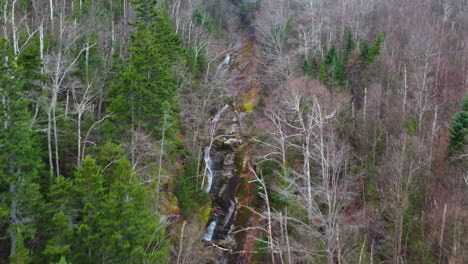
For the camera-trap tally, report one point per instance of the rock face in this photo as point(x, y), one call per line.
point(225, 160)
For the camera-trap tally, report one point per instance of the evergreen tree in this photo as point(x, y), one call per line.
point(364, 50)
point(90, 200)
point(137, 97)
point(332, 70)
point(21, 255)
point(306, 67)
point(20, 159)
point(375, 48)
point(314, 65)
point(94, 220)
point(130, 230)
point(349, 45)
point(459, 128)
point(331, 55)
point(62, 215)
point(322, 74)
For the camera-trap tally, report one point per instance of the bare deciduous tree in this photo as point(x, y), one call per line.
point(320, 184)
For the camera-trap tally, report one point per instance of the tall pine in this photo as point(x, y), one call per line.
point(459, 128)
point(99, 219)
point(148, 82)
point(20, 160)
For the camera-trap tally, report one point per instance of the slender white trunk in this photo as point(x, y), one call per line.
point(365, 104)
point(51, 12)
point(54, 120)
point(13, 25)
point(78, 158)
point(433, 133)
point(181, 242)
point(405, 92)
point(13, 220)
point(161, 152)
point(49, 140)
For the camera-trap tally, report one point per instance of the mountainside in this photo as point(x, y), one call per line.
point(234, 131)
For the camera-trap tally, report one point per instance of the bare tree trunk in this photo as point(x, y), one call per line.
point(161, 158)
point(14, 30)
point(442, 229)
point(433, 133)
point(51, 13)
point(49, 140)
point(13, 220)
point(181, 242)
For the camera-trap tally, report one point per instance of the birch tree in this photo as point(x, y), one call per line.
point(319, 186)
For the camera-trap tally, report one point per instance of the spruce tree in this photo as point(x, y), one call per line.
point(459, 128)
point(137, 97)
point(322, 74)
point(364, 50)
point(375, 48)
point(20, 159)
point(331, 55)
point(306, 67)
point(103, 219)
point(349, 45)
point(129, 227)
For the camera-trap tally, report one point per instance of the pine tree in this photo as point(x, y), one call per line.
point(375, 48)
point(99, 220)
point(349, 45)
point(364, 50)
point(20, 159)
point(306, 67)
point(137, 97)
point(459, 128)
point(314, 65)
point(331, 55)
point(62, 213)
point(128, 226)
point(322, 74)
point(91, 197)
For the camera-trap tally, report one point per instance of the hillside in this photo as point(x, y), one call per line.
point(234, 131)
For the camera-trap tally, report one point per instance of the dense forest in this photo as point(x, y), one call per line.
point(234, 131)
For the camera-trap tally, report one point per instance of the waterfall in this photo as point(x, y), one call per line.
point(218, 115)
point(207, 158)
point(208, 236)
point(229, 213)
point(208, 164)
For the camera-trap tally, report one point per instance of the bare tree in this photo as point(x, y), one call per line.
point(58, 64)
point(302, 124)
point(400, 172)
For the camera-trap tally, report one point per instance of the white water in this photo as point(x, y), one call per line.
point(207, 158)
point(218, 115)
point(208, 164)
point(208, 236)
point(229, 214)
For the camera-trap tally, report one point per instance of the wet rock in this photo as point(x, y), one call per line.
point(229, 160)
point(233, 142)
point(227, 174)
point(235, 129)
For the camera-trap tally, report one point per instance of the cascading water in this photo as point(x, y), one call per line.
point(218, 115)
point(208, 236)
point(209, 169)
point(207, 158)
point(229, 213)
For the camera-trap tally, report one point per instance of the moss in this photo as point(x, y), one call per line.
point(248, 106)
point(241, 222)
point(239, 161)
point(205, 212)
